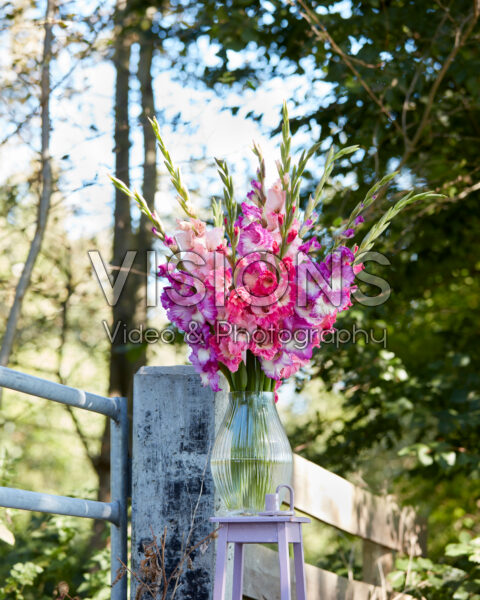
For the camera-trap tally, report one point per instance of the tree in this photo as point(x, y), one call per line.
point(45, 197)
point(132, 23)
point(402, 84)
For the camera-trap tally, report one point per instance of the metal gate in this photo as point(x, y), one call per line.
point(115, 512)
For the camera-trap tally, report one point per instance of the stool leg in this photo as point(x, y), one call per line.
point(284, 562)
point(238, 572)
point(221, 564)
point(300, 583)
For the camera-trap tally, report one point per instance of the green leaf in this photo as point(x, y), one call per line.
point(25, 573)
point(424, 456)
point(457, 550)
point(397, 579)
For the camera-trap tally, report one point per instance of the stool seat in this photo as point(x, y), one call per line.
point(277, 529)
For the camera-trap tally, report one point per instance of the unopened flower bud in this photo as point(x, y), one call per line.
point(292, 234)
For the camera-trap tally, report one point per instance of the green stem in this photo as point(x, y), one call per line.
point(249, 376)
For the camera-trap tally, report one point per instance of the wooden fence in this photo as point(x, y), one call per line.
point(384, 527)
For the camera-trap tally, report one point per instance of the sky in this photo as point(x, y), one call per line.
point(82, 132)
point(212, 132)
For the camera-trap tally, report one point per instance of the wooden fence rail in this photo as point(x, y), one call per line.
point(384, 527)
point(335, 501)
point(262, 581)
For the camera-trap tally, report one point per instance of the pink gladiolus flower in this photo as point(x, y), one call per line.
point(251, 212)
point(213, 238)
point(273, 368)
point(275, 198)
point(254, 238)
point(238, 310)
point(181, 316)
point(264, 343)
point(273, 220)
point(357, 268)
point(259, 278)
point(230, 352)
point(199, 227)
point(265, 284)
point(184, 239)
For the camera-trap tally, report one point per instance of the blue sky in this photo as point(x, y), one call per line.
point(82, 141)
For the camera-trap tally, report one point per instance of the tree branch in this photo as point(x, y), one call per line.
point(415, 77)
point(81, 435)
point(63, 340)
point(460, 39)
point(45, 196)
point(315, 25)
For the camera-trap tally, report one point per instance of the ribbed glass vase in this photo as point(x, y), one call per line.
point(251, 455)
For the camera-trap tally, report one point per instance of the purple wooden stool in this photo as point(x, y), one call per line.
point(274, 527)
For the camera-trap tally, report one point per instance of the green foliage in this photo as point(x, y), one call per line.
point(21, 576)
point(456, 578)
point(40, 447)
point(96, 584)
point(49, 551)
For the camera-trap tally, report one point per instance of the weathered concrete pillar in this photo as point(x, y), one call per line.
point(174, 424)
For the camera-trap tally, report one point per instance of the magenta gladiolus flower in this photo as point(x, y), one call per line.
point(247, 292)
point(253, 238)
point(310, 246)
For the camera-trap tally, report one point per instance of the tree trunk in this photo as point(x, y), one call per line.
point(131, 307)
point(120, 376)
point(149, 188)
point(45, 197)
point(120, 371)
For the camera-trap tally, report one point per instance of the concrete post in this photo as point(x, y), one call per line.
point(174, 425)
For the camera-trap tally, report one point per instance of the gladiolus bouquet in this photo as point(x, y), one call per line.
point(255, 291)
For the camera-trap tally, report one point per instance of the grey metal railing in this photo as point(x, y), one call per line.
point(115, 512)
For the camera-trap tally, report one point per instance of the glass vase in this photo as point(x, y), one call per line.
point(251, 455)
